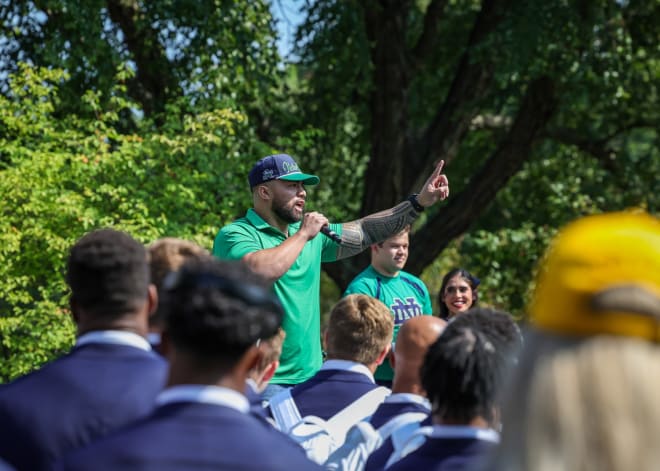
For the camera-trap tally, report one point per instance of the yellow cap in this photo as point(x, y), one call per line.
point(602, 276)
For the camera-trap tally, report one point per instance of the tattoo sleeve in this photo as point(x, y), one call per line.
point(359, 234)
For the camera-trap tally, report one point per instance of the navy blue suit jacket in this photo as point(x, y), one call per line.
point(87, 393)
point(329, 391)
point(385, 412)
point(255, 400)
point(192, 436)
point(445, 454)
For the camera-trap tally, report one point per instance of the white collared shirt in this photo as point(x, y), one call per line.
point(409, 398)
point(345, 365)
point(204, 394)
point(416, 439)
point(114, 337)
point(462, 431)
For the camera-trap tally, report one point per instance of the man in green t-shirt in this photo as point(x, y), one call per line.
point(403, 293)
point(278, 240)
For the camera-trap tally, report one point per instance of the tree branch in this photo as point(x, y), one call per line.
point(536, 109)
point(427, 40)
point(600, 148)
point(471, 83)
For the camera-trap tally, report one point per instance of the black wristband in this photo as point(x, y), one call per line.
point(415, 204)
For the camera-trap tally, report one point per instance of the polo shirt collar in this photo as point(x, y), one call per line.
point(204, 394)
point(345, 365)
point(114, 337)
point(258, 222)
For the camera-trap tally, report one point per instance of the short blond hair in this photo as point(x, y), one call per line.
point(359, 328)
point(165, 256)
point(168, 254)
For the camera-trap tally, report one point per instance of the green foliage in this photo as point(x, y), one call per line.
point(64, 177)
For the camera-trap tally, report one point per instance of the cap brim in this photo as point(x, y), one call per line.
point(300, 177)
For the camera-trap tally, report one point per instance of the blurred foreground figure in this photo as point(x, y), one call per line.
point(110, 377)
point(462, 374)
point(586, 393)
point(215, 313)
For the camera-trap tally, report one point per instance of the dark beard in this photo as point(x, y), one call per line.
point(285, 215)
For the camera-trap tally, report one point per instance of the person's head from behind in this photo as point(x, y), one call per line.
point(598, 287)
point(595, 406)
point(389, 256)
point(458, 293)
point(464, 369)
point(108, 274)
point(215, 312)
point(601, 275)
point(412, 342)
point(271, 349)
point(167, 255)
point(359, 329)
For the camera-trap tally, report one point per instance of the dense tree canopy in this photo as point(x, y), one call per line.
point(146, 116)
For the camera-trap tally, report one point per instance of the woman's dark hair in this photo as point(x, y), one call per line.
point(473, 281)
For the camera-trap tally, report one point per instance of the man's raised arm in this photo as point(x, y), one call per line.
point(359, 234)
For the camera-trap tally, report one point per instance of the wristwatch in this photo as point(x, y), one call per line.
point(415, 204)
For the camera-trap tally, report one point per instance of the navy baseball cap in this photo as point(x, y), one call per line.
point(279, 167)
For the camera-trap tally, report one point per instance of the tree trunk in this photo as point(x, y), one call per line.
point(154, 83)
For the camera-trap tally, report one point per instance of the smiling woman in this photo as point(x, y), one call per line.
point(458, 293)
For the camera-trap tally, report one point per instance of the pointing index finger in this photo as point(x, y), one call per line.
point(438, 168)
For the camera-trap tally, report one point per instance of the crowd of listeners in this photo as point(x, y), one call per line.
point(175, 348)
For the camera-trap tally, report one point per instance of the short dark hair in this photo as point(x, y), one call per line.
point(108, 273)
point(464, 369)
point(216, 310)
point(473, 281)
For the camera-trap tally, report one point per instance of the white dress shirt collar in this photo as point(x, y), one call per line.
point(204, 394)
point(114, 337)
point(346, 365)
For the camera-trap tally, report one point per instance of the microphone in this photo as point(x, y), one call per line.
point(330, 233)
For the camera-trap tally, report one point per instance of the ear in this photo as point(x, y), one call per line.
point(152, 299)
point(383, 354)
point(249, 361)
point(269, 372)
point(263, 192)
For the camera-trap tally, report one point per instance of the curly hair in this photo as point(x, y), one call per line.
point(464, 369)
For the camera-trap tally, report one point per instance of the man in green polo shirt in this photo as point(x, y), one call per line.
point(278, 240)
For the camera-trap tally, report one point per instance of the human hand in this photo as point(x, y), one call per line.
point(436, 187)
point(312, 223)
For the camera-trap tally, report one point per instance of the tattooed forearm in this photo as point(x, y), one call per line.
point(359, 234)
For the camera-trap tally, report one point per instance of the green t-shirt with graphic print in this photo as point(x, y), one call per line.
point(405, 295)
